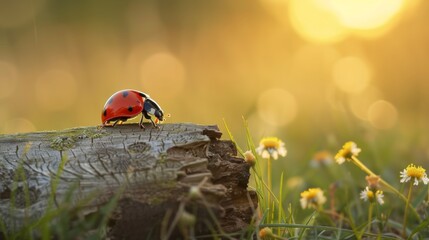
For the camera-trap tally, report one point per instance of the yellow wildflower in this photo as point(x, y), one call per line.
point(313, 197)
point(348, 151)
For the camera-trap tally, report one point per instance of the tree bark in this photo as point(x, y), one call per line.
point(150, 172)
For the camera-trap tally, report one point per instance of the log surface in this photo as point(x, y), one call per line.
point(154, 167)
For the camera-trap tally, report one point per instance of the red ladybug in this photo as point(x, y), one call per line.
point(129, 103)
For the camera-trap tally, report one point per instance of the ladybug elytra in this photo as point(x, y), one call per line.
point(129, 103)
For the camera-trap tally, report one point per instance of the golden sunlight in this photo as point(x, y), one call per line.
point(351, 74)
point(277, 107)
point(15, 125)
point(332, 21)
point(315, 22)
point(360, 103)
point(56, 90)
point(163, 75)
point(8, 79)
point(382, 114)
point(365, 14)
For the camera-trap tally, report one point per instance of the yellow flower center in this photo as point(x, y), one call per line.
point(271, 142)
point(370, 194)
point(311, 193)
point(416, 172)
point(348, 151)
point(348, 146)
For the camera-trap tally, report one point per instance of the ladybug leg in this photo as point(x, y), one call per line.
point(154, 124)
point(141, 123)
point(116, 122)
point(146, 115)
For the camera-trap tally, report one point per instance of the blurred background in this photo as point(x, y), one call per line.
point(315, 73)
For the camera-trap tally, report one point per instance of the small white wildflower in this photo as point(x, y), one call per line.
point(369, 195)
point(271, 147)
point(418, 174)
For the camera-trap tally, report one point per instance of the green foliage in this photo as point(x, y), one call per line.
point(343, 216)
point(348, 216)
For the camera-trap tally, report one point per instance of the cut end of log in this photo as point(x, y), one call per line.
point(152, 169)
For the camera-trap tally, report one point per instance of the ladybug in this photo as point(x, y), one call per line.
point(129, 103)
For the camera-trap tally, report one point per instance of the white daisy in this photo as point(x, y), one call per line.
point(271, 147)
point(371, 196)
point(417, 174)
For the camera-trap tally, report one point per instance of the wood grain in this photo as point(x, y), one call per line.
point(152, 169)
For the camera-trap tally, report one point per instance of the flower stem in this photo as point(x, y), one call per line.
point(371, 207)
point(404, 226)
point(266, 186)
point(358, 163)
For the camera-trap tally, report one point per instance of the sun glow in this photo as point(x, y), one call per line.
point(277, 107)
point(163, 74)
point(365, 14)
point(351, 74)
point(315, 22)
point(56, 90)
point(382, 114)
point(331, 21)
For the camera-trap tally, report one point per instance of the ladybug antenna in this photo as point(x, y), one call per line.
point(166, 116)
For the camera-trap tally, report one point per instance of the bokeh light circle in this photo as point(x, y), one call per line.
point(315, 22)
point(55, 90)
point(277, 107)
point(163, 74)
point(382, 114)
point(8, 79)
point(360, 103)
point(365, 14)
point(351, 74)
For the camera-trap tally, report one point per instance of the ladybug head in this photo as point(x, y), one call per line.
point(151, 107)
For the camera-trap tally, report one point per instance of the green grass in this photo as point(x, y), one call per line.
point(344, 215)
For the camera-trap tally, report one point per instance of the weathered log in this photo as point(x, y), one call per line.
point(150, 172)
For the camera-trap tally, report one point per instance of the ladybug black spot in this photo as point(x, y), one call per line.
point(130, 109)
point(105, 112)
point(125, 94)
